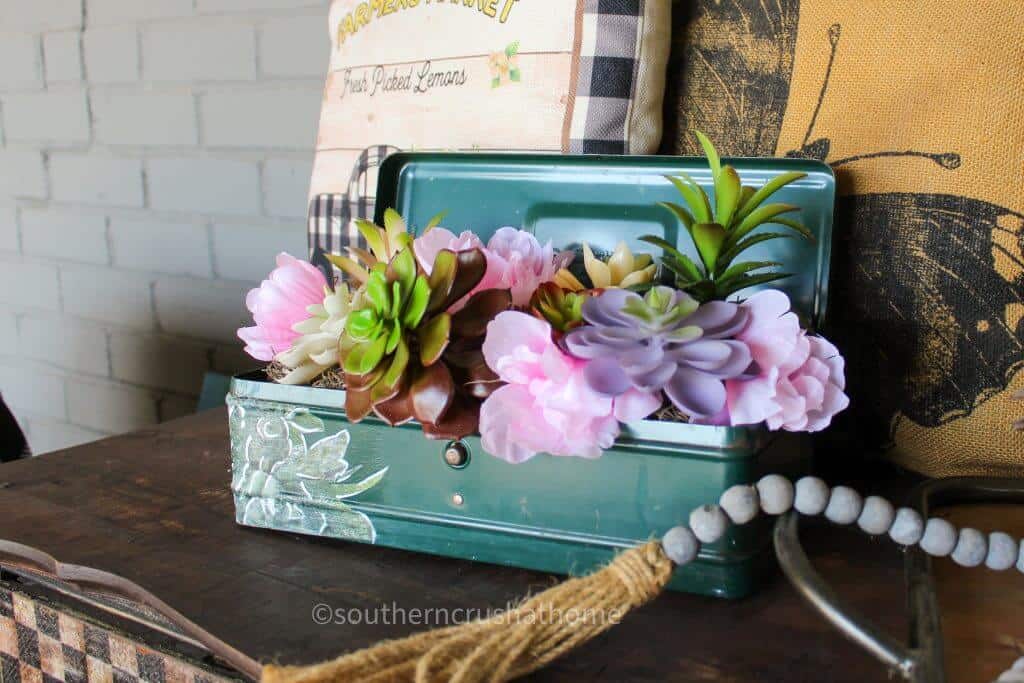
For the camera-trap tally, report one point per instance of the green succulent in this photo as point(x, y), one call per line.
point(395, 305)
point(722, 232)
point(560, 307)
point(406, 357)
point(384, 244)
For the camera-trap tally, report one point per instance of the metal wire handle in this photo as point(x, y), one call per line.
point(912, 664)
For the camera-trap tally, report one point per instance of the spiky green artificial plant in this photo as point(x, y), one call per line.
point(721, 232)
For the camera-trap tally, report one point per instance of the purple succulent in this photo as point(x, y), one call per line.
point(666, 341)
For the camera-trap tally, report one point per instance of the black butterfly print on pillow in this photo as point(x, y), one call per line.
point(916, 302)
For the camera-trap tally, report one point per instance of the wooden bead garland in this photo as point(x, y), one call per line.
point(775, 495)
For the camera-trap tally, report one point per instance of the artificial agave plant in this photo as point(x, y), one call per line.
point(721, 233)
point(384, 244)
point(406, 357)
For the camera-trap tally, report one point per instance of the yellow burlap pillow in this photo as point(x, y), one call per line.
point(919, 107)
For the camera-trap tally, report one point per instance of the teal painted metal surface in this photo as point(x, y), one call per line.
point(603, 200)
point(299, 465)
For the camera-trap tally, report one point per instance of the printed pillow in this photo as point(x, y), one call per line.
point(919, 107)
point(541, 75)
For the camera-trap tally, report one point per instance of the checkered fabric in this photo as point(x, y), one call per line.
point(40, 645)
point(331, 216)
point(607, 82)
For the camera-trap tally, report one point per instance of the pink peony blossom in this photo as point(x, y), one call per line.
point(280, 303)
point(522, 263)
point(428, 245)
point(546, 405)
point(515, 260)
point(801, 380)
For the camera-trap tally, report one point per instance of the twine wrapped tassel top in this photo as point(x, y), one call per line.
point(510, 644)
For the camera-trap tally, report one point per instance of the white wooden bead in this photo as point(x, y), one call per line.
point(844, 505)
point(775, 493)
point(680, 545)
point(1011, 676)
point(1002, 551)
point(908, 528)
point(939, 537)
point(740, 502)
point(971, 548)
point(811, 496)
point(1018, 665)
point(708, 523)
point(877, 516)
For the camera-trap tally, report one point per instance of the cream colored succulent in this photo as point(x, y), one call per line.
point(316, 351)
point(622, 270)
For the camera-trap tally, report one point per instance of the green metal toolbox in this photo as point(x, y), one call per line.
point(298, 465)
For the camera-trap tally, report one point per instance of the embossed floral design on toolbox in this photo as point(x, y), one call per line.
point(287, 473)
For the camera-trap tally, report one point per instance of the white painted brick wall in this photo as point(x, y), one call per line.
point(64, 342)
point(40, 15)
point(64, 234)
point(287, 50)
point(207, 309)
point(121, 11)
point(161, 247)
point(20, 57)
point(57, 116)
point(9, 234)
point(223, 51)
point(219, 6)
point(159, 362)
point(8, 332)
point(219, 186)
point(286, 187)
point(35, 389)
point(111, 54)
point(94, 179)
point(167, 118)
point(107, 295)
point(22, 174)
point(62, 53)
point(154, 158)
point(110, 407)
point(51, 435)
point(268, 117)
point(28, 284)
point(241, 251)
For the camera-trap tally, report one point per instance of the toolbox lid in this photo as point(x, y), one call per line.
point(569, 199)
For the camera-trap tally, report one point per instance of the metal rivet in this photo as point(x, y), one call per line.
point(456, 455)
point(458, 499)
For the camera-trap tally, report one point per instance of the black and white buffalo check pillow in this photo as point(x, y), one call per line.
point(623, 53)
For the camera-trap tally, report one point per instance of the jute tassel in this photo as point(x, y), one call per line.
point(510, 644)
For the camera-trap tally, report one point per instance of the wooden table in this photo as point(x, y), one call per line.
point(154, 507)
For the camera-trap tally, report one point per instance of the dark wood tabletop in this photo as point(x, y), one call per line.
point(155, 507)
